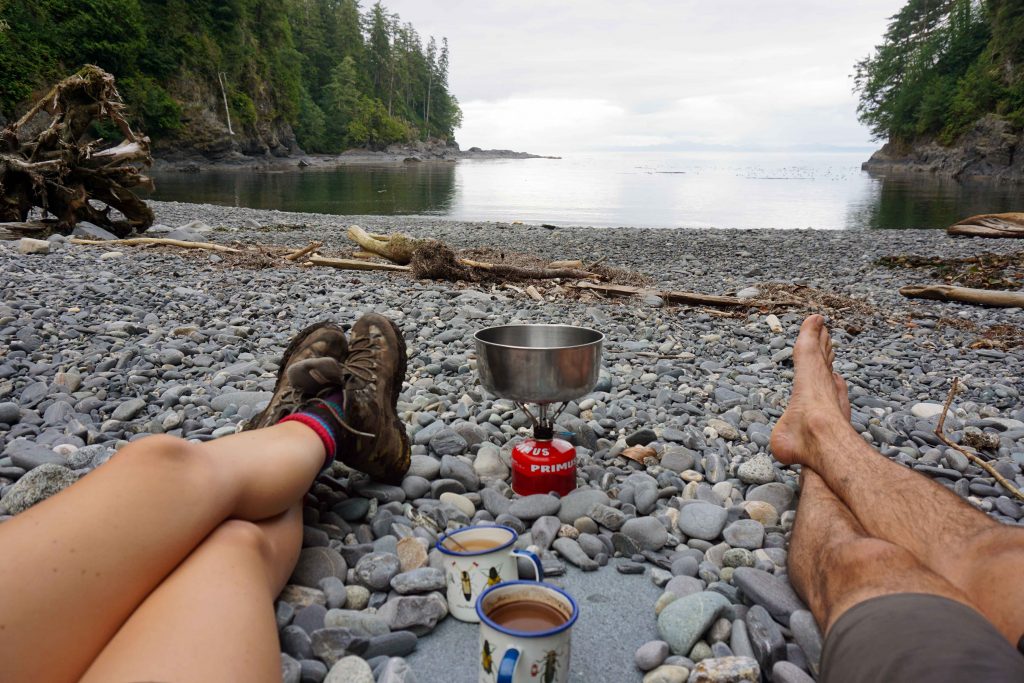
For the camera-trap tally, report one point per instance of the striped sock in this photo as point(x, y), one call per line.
point(323, 416)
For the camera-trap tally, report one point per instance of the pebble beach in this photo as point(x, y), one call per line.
point(104, 345)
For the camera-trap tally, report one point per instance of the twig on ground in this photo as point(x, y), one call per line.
point(143, 241)
point(296, 255)
point(970, 456)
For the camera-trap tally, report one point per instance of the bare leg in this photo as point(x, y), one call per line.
point(892, 503)
point(212, 619)
point(97, 549)
point(834, 564)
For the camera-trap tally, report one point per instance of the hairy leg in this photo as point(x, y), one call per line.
point(93, 552)
point(835, 565)
point(892, 503)
point(212, 619)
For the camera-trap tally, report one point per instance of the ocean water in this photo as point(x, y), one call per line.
point(826, 191)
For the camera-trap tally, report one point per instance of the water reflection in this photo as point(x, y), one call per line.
point(666, 190)
point(925, 201)
point(353, 190)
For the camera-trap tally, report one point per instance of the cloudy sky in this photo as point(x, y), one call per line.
point(590, 75)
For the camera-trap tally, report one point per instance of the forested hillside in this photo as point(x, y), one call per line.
point(942, 66)
point(324, 74)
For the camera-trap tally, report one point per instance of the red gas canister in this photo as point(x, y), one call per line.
point(543, 465)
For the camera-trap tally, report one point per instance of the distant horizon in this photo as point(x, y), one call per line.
point(592, 75)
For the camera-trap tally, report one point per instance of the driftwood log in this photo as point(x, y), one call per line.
point(47, 161)
point(967, 295)
point(398, 247)
point(990, 225)
point(670, 296)
point(160, 241)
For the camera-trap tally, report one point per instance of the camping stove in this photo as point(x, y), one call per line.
point(546, 365)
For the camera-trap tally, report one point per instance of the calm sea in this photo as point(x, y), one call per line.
point(693, 190)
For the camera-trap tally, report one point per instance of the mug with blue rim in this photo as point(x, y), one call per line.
point(476, 558)
point(508, 655)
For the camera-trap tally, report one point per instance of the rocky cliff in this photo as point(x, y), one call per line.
point(991, 149)
point(204, 135)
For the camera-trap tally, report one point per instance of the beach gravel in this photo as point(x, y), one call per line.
point(97, 353)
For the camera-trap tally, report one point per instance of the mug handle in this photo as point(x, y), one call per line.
point(507, 668)
point(532, 557)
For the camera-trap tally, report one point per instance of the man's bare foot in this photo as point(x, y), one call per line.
point(819, 400)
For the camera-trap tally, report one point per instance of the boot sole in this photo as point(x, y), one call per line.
point(289, 350)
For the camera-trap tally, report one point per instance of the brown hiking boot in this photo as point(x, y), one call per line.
point(311, 366)
point(374, 370)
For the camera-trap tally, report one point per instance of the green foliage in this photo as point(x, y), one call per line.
point(373, 127)
point(337, 75)
point(944, 64)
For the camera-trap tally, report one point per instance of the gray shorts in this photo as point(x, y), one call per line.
point(917, 638)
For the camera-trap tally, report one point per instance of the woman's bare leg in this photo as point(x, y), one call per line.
point(212, 619)
point(92, 553)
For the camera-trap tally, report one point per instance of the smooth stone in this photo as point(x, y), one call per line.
point(422, 580)
point(777, 494)
point(762, 512)
point(411, 553)
point(39, 484)
point(726, 670)
point(396, 670)
point(295, 642)
point(545, 530)
point(395, 644)
point(330, 645)
point(768, 590)
point(357, 597)
point(808, 636)
point(573, 553)
point(352, 509)
point(682, 623)
point(313, 671)
point(744, 533)
point(128, 410)
point(926, 410)
point(358, 622)
point(416, 613)
point(702, 520)
point(252, 399)
point(461, 471)
point(10, 413)
point(786, 672)
point(678, 459)
point(459, 501)
point(765, 637)
point(424, 466)
point(647, 532)
point(291, 670)
point(376, 570)
point(351, 669)
point(334, 590)
point(529, 508)
point(310, 618)
point(608, 517)
point(316, 564)
point(579, 503)
point(684, 585)
point(301, 596)
point(28, 455)
point(667, 673)
point(757, 470)
point(650, 655)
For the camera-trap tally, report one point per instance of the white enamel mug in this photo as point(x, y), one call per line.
point(509, 656)
point(470, 572)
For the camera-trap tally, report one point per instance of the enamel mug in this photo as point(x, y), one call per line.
point(510, 656)
point(470, 568)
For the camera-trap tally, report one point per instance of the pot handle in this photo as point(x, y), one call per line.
point(532, 557)
point(507, 668)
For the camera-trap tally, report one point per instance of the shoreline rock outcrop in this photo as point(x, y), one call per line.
point(993, 149)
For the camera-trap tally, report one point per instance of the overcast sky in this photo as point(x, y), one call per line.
point(581, 75)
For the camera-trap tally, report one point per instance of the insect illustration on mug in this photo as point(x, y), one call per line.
point(467, 587)
point(546, 666)
point(487, 658)
point(493, 577)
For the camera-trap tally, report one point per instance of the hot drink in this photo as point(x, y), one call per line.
point(527, 616)
point(471, 545)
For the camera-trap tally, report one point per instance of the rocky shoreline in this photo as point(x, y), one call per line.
point(101, 346)
point(186, 161)
point(991, 150)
